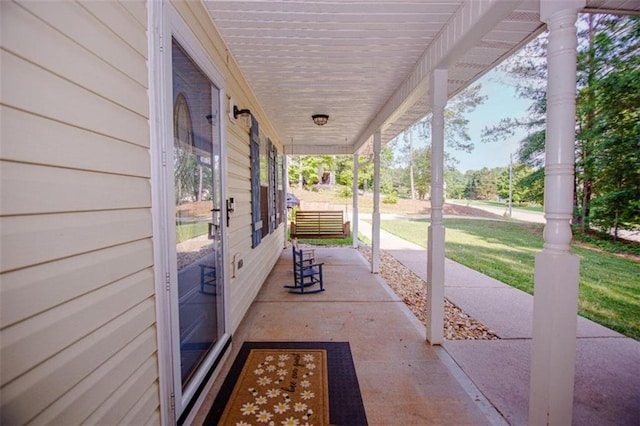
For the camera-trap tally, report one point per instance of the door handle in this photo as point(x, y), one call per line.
point(213, 226)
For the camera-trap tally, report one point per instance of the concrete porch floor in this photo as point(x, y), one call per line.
point(402, 379)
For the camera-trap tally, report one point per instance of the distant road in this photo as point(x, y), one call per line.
point(529, 216)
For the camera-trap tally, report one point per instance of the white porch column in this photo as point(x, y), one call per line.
point(556, 269)
point(354, 218)
point(285, 184)
point(435, 251)
point(375, 217)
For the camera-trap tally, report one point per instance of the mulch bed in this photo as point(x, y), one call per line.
point(413, 291)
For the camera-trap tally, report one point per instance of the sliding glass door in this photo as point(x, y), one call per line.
point(198, 313)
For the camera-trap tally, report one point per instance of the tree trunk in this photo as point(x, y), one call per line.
point(575, 220)
point(200, 175)
point(587, 179)
point(413, 186)
point(586, 202)
point(300, 176)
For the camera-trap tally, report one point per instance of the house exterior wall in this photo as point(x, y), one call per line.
point(78, 326)
point(77, 293)
point(258, 262)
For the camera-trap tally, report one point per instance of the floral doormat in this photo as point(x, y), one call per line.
point(290, 383)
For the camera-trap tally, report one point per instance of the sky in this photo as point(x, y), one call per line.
point(501, 102)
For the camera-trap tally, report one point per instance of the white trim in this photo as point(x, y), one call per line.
point(557, 271)
point(157, 126)
point(190, 43)
point(285, 190)
point(375, 215)
point(191, 417)
point(225, 228)
point(167, 237)
point(354, 186)
point(164, 23)
point(436, 231)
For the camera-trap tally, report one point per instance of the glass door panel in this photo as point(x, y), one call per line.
point(197, 185)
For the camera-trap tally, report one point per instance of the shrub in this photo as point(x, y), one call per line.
point(345, 192)
point(390, 199)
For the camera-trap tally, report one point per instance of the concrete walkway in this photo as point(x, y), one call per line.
point(402, 380)
point(607, 384)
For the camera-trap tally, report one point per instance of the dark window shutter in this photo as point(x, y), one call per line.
point(256, 220)
point(273, 186)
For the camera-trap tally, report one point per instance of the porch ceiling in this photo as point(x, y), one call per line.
point(366, 63)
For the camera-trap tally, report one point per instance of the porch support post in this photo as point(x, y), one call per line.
point(555, 305)
point(375, 217)
point(354, 218)
point(285, 184)
point(435, 250)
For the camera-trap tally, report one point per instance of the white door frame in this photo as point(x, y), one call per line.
point(164, 23)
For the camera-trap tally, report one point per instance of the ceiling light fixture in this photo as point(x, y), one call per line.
point(320, 119)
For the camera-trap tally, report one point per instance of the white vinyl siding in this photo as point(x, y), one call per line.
point(40, 92)
point(78, 319)
point(77, 315)
point(31, 240)
point(76, 23)
point(68, 190)
point(27, 291)
point(98, 153)
point(257, 262)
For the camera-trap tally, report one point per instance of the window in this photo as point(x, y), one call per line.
point(266, 185)
point(273, 187)
point(256, 214)
point(280, 204)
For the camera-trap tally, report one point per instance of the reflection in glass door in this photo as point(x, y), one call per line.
point(197, 185)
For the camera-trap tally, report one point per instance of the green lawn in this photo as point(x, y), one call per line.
point(327, 241)
point(609, 284)
point(504, 205)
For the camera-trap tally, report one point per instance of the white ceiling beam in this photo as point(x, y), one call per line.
point(472, 21)
point(272, 10)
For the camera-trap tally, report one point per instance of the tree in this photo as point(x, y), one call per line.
point(422, 171)
point(344, 171)
point(413, 157)
point(615, 132)
point(532, 186)
point(307, 169)
point(455, 183)
point(585, 115)
point(482, 184)
point(607, 109)
point(193, 178)
point(527, 72)
point(521, 190)
point(456, 124)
